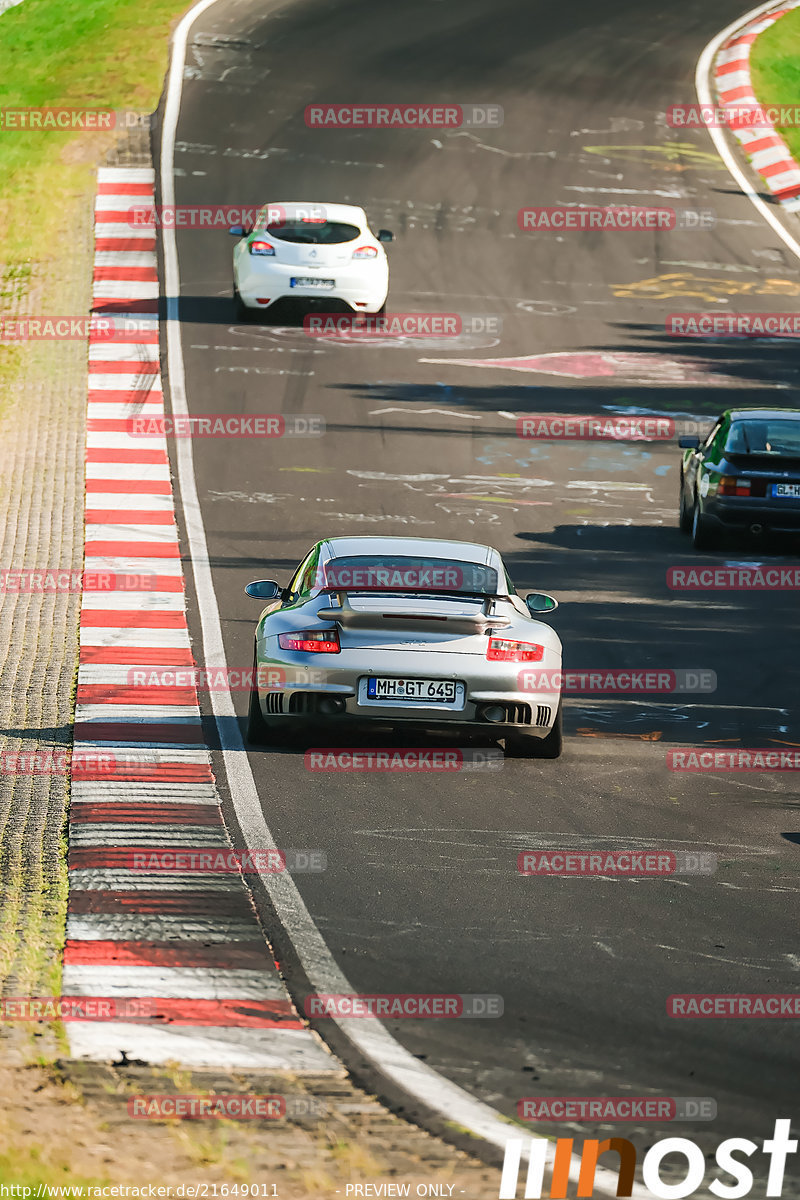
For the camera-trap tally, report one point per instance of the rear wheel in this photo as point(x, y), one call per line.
point(523, 745)
point(258, 732)
point(703, 535)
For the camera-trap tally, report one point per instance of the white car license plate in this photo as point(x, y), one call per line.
point(436, 691)
point(310, 281)
point(792, 490)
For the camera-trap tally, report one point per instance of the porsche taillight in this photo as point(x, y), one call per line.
point(311, 641)
point(503, 650)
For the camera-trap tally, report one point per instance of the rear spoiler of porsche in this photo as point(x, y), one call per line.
point(480, 621)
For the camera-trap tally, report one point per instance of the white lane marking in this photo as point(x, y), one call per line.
point(705, 67)
point(369, 1037)
point(671, 195)
point(443, 412)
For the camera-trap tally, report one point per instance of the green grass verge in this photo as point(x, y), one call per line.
point(102, 54)
point(775, 69)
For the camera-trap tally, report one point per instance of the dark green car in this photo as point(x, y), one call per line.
point(743, 477)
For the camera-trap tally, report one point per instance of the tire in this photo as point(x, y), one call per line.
point(684, 512)
point(703, 536)
point(240, 309)
point(258, 732)
point(522, 745)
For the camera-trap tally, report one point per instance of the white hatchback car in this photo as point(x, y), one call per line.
point(309, 251)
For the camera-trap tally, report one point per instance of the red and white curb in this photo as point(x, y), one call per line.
point(189, 944)
point(765, 148)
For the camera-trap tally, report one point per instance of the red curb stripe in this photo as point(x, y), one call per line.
point(108, 306)
point(121, 857)
point(739, 64)
point(788, 193)
point(161, 735)
point(98, 454)
point(149, 393)
point(123, 366)
point(156, 487)
point(126, 189)
point(120, 693)
point(132, 618)
point(132, 550)
point(248, 956)
point(156, 583)
point(149, 903)
point(234, 1014)
point(125, 243)
point(173, 772)
point(137, 516)
point(771, 142)
point(84, 812)
point(778, 168)
point(130, 274)
point(131, 656)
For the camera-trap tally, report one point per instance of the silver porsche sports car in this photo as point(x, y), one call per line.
point(405, 631)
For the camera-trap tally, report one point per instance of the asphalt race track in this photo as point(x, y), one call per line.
point(421, 893)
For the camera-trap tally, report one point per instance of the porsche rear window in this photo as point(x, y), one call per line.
point(313, 233)
point(774, 435)
point(377, 573)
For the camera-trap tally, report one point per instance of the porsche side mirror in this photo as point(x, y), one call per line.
point(264, 589)
point(540, 602)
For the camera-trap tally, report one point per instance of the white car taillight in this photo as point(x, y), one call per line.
point(365, 252)
point(261, 248)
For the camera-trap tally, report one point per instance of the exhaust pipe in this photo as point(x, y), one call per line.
point(494, 713)
point(756, 528)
